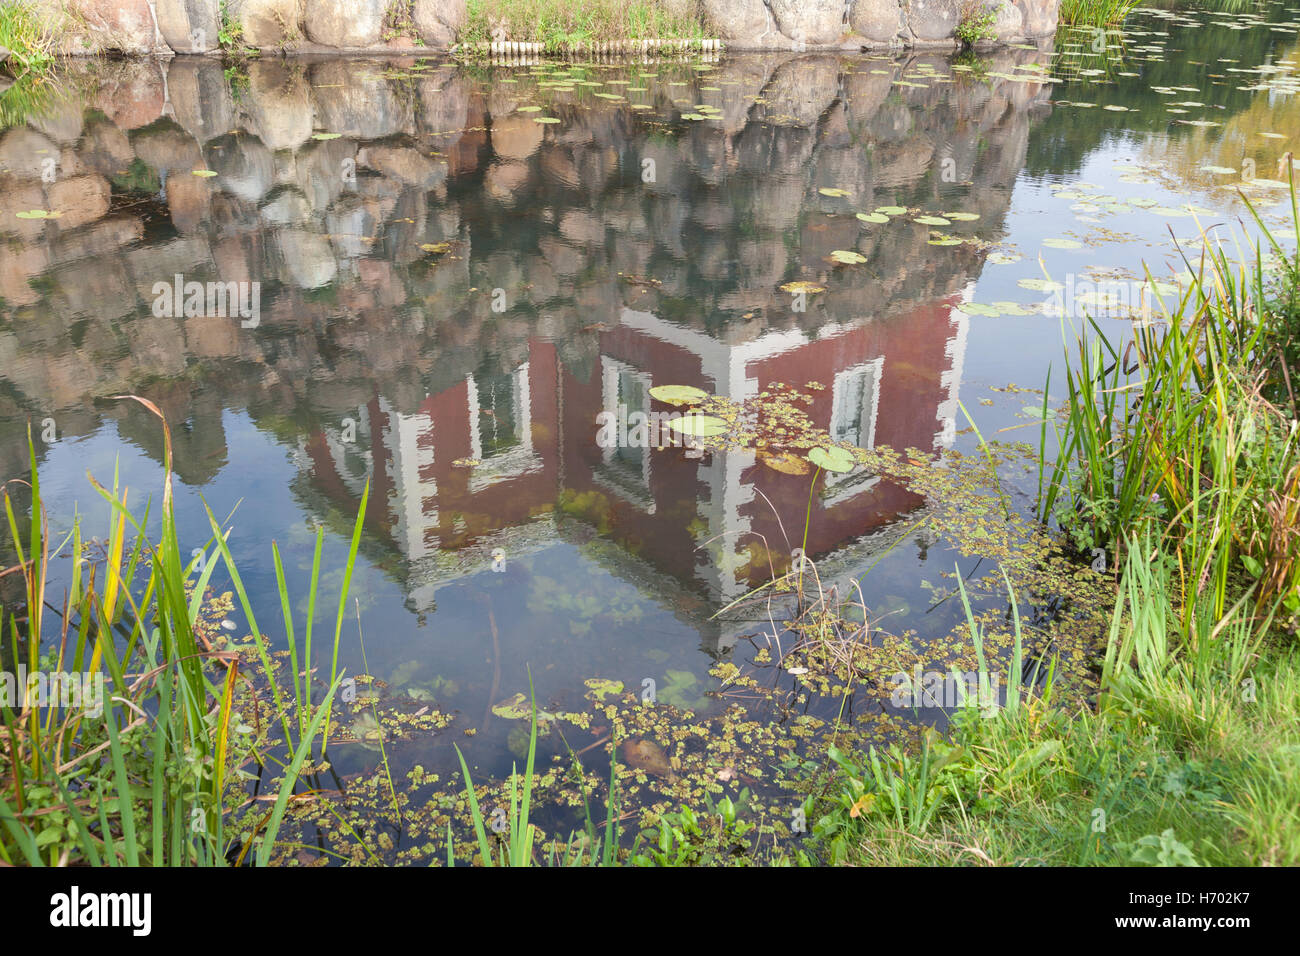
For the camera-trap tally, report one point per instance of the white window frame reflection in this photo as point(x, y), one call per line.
point(515, 462)
point(613, 475)
point(842, 486)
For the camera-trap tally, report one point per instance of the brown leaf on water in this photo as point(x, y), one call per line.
point(648, 756)
point(785, 462)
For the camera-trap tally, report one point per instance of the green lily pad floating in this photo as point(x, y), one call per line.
point(38, 214)
point(832, 458)
point(679, 394)
point(1038, 412)
point(848, 257)
point(545, 119)
point(873, 217)
point(978, 308)
point(529, 109)
point(679, 690)
point(1012, 308)
point(602, 688)
point(891, 210)
point(205, 173)
point(694, 116)
point(1002, 258)
point(699, 426)
point(962, 216)
point(1170, 212)
point(835, 193)
point(520, 707)
point(932, 221)
point(367, 730)
point(1055, 243)
point(517, 707)
point(323, 136)
point(1040, 285)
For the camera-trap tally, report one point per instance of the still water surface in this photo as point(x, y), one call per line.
point(441, 276)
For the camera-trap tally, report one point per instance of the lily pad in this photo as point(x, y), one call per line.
point(1012, 308)
point(680, 689)
point(602, 688)
point(517, 707)
point(875, 217)
point(835, 193)
point(810, 288)
point(679, 395)
point(701, 426)
point(848, 257)
point(367, 730)
point(832, 458)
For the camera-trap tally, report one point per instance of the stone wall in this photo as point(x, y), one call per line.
point(873, 24)
point(165, 27)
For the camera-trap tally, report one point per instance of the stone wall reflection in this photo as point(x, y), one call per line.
point(365, 314)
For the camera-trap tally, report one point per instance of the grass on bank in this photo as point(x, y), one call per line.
point(558, 23)
point(1096, 13)
point(30, 31)
point(149, 778)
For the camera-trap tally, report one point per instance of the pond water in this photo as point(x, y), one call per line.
point(443, 264)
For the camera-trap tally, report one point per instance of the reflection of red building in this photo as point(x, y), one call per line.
point(888, 382)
